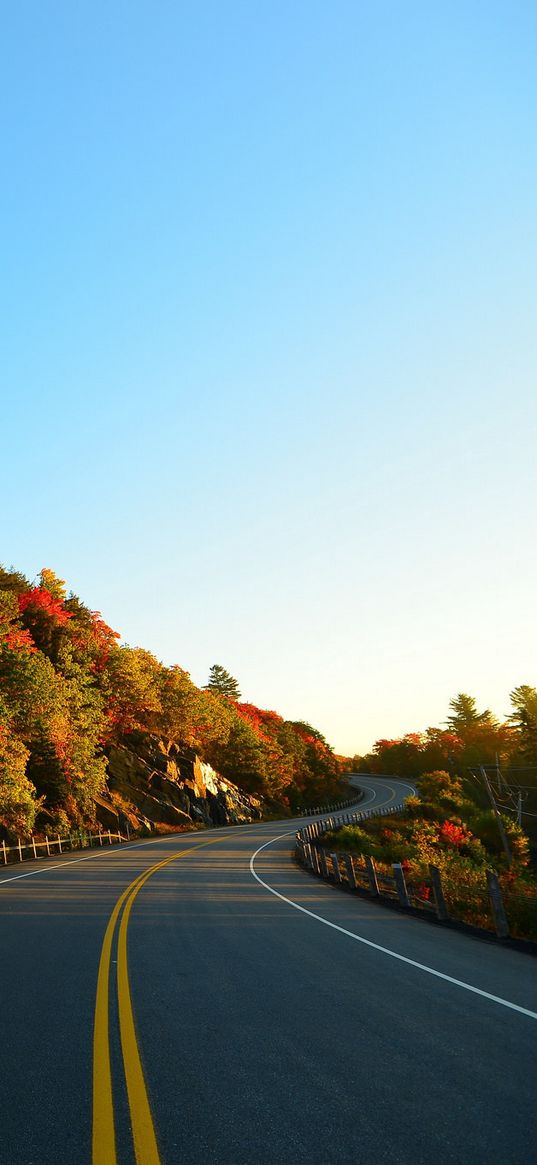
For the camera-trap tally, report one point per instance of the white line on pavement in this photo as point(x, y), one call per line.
point(383, 950)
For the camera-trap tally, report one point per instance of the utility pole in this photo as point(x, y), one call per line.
point(498, 816)
point(498, 775)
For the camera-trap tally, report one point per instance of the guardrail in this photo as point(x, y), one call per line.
point(486, 906)
point(78, 839)
point(337, 805)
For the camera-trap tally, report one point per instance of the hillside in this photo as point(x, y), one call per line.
point(89, 729)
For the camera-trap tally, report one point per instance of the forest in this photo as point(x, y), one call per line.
point(69, 693)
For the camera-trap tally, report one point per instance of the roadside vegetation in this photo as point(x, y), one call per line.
point(446, 826)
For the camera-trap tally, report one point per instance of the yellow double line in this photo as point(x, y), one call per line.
point(143, 1129)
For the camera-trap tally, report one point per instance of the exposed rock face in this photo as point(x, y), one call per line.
point(151, 783)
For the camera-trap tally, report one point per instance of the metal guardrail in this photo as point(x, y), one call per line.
point(332, 808)
point(78, 839)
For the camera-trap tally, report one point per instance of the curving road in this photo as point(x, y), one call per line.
point(199, 999)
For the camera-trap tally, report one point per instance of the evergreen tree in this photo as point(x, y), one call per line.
point(464, 713)
point(524, 720)
point(222, 682)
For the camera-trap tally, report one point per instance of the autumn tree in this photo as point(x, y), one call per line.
point(131, 682)
point(483, 739)
point(18, 800)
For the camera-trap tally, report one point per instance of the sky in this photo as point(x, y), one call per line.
point(268, 341)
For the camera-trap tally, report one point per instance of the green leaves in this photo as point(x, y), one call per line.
point(222, 682)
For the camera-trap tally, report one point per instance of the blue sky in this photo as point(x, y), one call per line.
point(268, 316)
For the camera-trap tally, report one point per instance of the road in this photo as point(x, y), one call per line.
point(251, 1031)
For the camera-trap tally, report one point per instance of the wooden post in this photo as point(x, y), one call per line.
point(20, 849)
point(324, 866)
point(351, 874)
point(33, 844)
point(335, 864)
point(498, 909)
point(439, 900)
point(60, 844)
point(109, 837)
point(315, 858)
point(402, 892)
point(5, 852)
point(372, 875)
point(47, 843)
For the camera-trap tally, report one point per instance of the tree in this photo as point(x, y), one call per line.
point(18, 801)
point(464, 713)
point(130, 682)
point(483, 739)
point(222, 682)
point(524, 720)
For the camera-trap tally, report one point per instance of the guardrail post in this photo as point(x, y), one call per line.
point(351, 875)
point(335, 864)
point(439, 900)
point(20, 849)
point(60, 844)
point(5, 853)
point(109, 837)
point(498, 909)
point(33, 844)
point(400, 884)
point(323, 862)
point(47, 843)
point(372, 875)
point(315, 859)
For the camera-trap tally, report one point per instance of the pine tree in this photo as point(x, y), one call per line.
point(222, 682)
point(464, 713)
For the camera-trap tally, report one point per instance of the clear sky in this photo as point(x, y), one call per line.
point(269, 341)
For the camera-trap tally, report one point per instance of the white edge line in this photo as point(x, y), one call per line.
point(106, 851)
point(100, 854)
point(384, 950)
point(76, 861)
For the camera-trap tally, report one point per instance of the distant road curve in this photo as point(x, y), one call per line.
point(386, 792)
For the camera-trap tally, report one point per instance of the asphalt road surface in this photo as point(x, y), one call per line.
point(166, 1003)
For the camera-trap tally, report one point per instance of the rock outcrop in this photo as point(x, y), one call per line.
point(152, 784)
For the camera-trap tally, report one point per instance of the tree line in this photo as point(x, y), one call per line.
point(69, 691)
point(469, 738)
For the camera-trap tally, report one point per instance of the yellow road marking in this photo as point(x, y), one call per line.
point(104, 1137)
point(104, 1140)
